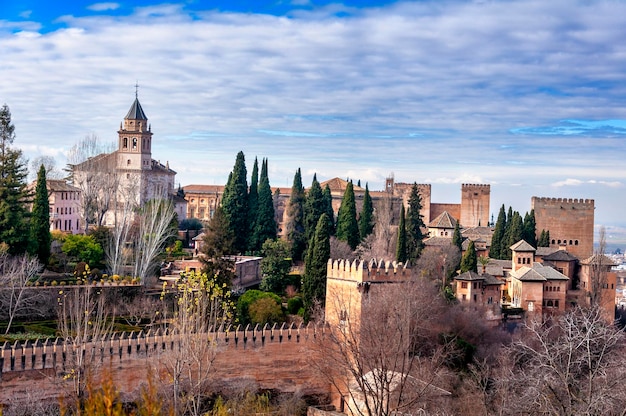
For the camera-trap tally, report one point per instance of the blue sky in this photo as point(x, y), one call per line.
point(528, 96)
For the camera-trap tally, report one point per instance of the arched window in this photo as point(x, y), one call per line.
point(553, 242)
point(125, 142)
point(575, 242)
point(134, 144)
point(550, 304)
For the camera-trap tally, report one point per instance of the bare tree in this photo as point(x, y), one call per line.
point(598, 269)
point(83, 322)
point(383, 355)
point(154, 229)
point(16, 297)
point(92, 170)
point(571, 366)
point(117, 253)
point(49, 164)
point(202, 306)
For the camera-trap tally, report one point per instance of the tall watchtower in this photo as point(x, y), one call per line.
point(569, 221)
point(475, 205)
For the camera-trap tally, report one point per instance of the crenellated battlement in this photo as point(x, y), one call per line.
point(475, 186)
point(362, 271)
point(557, 202)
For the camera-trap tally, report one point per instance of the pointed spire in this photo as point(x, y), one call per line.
point(136, 112)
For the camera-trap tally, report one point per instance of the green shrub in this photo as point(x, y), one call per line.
point(294, 304)
point(248, 299)
point(266, 311)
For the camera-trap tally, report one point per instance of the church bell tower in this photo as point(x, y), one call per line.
point(135, 140)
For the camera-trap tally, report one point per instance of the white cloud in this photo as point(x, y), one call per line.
point(102, 7)
point(429, 90)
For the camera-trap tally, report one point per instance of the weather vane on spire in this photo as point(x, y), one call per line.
point(137, 89)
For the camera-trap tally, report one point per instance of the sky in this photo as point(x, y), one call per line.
point(527, 96)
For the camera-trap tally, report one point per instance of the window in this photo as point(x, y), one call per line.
point(464, 297)
point(128, 162)
point(556, 303)
point(134, 144)
point(475, 298)
point(125, 142)
point(575, 242)
point(464, 285)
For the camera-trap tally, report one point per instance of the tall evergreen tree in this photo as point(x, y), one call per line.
point(495, 250)
point(314, 207)
point(265, 226)
point(366, 219)
point(347, 225)
point(529, 232)
point(513, 233)
point(217, 248)
point(314, 282)
point(328, 208)
point(294, 226)
point(401, 245)
point(469, 261)
point(544, 239)
point(40, 221)
point(235, 204)
point(253, 199)
point(14, 194)
point(457, 238)
point(414, 225)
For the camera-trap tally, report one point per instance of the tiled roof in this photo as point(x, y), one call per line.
point(538, 272)
point(469, 275)
point(136, 112)
point(599, 259)
point(560, 255)
point(522, 245)
point(59, 185)
point(491, 280)
point(437, 241)
point(339, 185)
point(203, 189)
point(443, 220)
point(545, 251)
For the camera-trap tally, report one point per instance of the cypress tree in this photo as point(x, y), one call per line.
point(295, 218)
point(40, 221)
point(253, 200)
point(513, 233)
point(347, 225)
point(414, 225)
point(469, 261)
point(457, 238)
point(328, 208)
point(235, 204)
point(314, 282)
point(14, 227)
point(217, 248)
point(265, 226)
point(495, 250)
point(529, 233)
point(544, 239)
point(401, 246)
point(314, 207)
point(366, 219)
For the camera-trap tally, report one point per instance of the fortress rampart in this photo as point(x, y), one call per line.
point(361, 271)
point(272, 357)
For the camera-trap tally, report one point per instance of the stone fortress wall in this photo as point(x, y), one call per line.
point(570, 222)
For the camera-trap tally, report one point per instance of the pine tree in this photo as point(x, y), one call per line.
point(366, 219)
point(265, 226)
point(253, 200)
point(295, 218)
point(347, 225)
point(457, 238)
point(235, 204)
point(401, 246)
point(469, 261)
point(414, 225)
point(495, 250)
point(529, 232)
point(328, 208)
point(314, 282)
point(40, 221)
point(314, 207)
point(14, 225)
